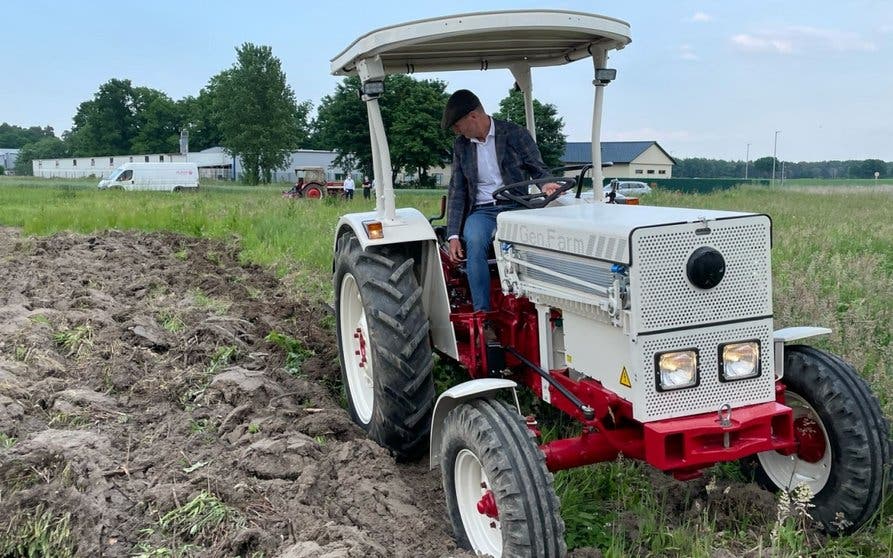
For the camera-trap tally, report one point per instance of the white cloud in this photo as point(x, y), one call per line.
point(701, 17)
point(752, 43)
point(799, 39)
point(686, 52)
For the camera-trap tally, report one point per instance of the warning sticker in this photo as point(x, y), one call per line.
point(624, 378)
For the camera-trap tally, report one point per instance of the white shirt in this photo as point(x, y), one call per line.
point(348, 184)
point(489, 175)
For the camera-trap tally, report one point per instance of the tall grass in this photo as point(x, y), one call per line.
point(293, 237)
point(832, 261)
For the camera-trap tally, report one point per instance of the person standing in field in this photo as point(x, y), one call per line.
point(367, 188)
point(349, 187)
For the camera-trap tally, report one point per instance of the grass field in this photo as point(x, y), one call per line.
point(832, 263)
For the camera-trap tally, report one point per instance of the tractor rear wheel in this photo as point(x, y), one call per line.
point(844, 449)
point(386, 360)
point(500, 496)
point(314, 190)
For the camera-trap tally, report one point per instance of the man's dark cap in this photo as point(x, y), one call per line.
point(460, 103)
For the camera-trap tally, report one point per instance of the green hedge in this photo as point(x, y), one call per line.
point(696, 185)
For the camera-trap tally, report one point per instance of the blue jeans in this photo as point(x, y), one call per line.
point(480, 226)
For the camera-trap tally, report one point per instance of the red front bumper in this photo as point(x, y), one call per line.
point(691, 443)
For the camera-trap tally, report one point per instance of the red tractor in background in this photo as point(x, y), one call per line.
point(311, 183)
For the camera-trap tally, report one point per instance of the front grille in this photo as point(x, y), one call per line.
point(711, 393)
point(663, 297)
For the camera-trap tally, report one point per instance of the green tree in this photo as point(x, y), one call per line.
point(200, 121)
point(107, 124)
point(341, 125)
point(411, 110)
point(414, 109)
point(256, 112)
point(549, 136)
point(762, 167)
point(15, 137)
point(157, 120)
point(868, 167)
point(45, 148)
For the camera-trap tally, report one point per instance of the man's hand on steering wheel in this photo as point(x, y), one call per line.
point(550, 187)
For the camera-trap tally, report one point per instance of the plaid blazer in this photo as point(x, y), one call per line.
point(518, 157)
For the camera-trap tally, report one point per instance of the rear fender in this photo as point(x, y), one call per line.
point(413, 229)
point(455, 396)
point(781, 337)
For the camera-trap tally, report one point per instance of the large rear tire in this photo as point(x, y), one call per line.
point(386, 361)
point(844, 449)
point(314, 191)
point(500, 496)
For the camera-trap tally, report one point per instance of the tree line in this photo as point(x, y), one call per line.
point(698, 167)
point(251, 111)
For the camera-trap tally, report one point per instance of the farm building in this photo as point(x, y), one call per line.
point(8, 159)
point(632, 159)
point(214, 162)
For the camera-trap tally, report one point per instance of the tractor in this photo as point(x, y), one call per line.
point(311, 183)
point(652, 327)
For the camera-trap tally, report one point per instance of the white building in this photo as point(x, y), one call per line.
point(214, 162)
point(639, 160)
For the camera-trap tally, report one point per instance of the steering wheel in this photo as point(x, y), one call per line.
point(539, 199)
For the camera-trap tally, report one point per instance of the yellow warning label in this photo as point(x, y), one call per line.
point(568, 358)
point(624, 378)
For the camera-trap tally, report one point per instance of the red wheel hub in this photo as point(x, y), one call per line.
point(314, 193)
point(361, 352)
point(487, 505)
point(810, 439)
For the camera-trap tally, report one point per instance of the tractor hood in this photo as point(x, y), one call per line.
point(600, 231)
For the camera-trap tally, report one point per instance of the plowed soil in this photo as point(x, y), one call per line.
point(143, 409)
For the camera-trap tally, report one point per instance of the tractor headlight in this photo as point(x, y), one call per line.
point(739, 360)
point(676, 370)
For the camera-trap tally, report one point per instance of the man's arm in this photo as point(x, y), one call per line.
point(456, 197)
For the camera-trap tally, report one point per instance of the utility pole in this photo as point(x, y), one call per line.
point(746, 161)
point(774, 151)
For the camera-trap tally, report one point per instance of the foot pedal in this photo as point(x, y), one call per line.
point(495, 359)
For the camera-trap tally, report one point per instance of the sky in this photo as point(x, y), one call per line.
point(712, 79)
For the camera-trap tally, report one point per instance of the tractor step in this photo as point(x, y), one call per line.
point(495, 359)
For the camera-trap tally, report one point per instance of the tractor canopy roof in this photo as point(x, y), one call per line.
point(485, 40)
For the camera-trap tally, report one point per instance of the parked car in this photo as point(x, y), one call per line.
point(630, 188)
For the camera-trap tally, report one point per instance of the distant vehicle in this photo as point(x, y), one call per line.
point(164, 177)
point(312, 184)
point(630, 188)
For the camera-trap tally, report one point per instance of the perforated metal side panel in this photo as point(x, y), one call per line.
point(662, 295)
point(652, 404)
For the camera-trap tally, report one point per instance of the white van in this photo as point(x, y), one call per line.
point(166, 177)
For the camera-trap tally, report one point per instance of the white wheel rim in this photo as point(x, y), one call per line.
point(789, 471)
point(483, 532)
point(356, 350)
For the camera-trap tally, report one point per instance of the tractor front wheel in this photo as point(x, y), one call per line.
point(843, 441)
point(500, 496)
point(386, 360)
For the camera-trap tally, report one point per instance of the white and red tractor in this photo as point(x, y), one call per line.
point(650, 326)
